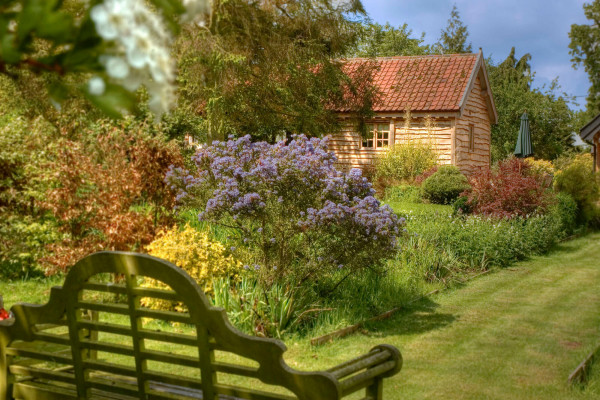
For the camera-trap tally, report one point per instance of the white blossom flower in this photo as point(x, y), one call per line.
point(117, 68)
point(140, 51)
point(96, 86)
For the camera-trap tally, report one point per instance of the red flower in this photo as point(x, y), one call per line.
point(4, 314)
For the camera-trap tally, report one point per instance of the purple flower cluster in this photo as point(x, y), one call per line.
point(281, 194)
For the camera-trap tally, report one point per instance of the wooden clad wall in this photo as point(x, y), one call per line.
point(438, 134)
point(476, 114)
point(347, 144)
point(597, 152)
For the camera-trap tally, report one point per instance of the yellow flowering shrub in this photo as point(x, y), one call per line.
point(201, 257)
point(539, 167)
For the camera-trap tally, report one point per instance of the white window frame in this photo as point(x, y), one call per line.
point(379, 138)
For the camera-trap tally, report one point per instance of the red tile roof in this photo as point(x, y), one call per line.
point(419, 83)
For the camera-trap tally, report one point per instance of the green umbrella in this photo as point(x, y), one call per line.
point(523, 147)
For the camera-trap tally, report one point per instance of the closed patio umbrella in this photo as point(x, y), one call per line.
point(523, 147)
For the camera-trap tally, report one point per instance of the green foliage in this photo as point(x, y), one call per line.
point(551, 122)
point(66, 39)
point(584, 51)
point(477, 242)
point(252, 309)
point(403, 193)
point(566, 208)
point(258, 70)
point(577, 178)
point(23, 241)
point(444, 186)
point(405, 161)
point(378, 40)
point(26, 147)
point(453, 38)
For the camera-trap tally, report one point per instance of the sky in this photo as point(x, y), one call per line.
point(538, 27)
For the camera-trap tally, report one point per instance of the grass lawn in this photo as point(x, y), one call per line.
point(514, 334)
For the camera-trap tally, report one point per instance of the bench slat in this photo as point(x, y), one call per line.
point(162, 294)
point(365, 378)
point(241, 370)
point(110, 367)
point(39, 355)
point(156, 293)
point(114, 308)
point(52, 338)
point(164, 315)
point(367, 362)
point(105, 327)
point(249, 393)
point(171, 358)
point(42, 373)
point(175, 338)
point(107, 347)
point(112, 386)
point(105, 287)
point(171, 379)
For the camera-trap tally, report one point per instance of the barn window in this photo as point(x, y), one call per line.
point(378, 136)
point(471, 137)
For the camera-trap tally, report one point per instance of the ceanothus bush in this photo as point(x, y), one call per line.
point(299, 219)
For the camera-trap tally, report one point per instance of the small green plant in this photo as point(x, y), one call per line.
point(253, 309)
point(408, 158)
point(445, 185)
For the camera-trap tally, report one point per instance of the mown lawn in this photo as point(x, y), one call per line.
point(516, 333)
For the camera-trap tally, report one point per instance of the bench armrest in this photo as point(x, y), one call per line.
point(367, 370)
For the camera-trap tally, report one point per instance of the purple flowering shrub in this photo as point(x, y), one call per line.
point(297, 218)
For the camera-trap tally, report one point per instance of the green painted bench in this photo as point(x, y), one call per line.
point(95, 339)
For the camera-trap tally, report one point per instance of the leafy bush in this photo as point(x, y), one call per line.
point(565, 207)
point(204, 259)
point(405, 161)
point(543, 170)
point(26, 146)
point(576, 177)
point(478, 242)
point(22, 244)
point(109, 191)
point(512, 190)
point(403, 193)
point(297, 218)
point(445, 185)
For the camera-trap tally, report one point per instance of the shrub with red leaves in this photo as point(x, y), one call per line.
point(512, 190)
point(110, 192)
point(421, 178)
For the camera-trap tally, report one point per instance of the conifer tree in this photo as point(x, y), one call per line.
point(453, 38)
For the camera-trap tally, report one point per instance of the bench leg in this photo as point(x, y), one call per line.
point(375, 391)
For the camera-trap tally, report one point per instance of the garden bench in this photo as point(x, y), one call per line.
point(99, 339)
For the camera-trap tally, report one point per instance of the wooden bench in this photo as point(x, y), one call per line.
point(94, 339)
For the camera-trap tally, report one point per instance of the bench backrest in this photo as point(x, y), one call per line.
point(131, 349)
